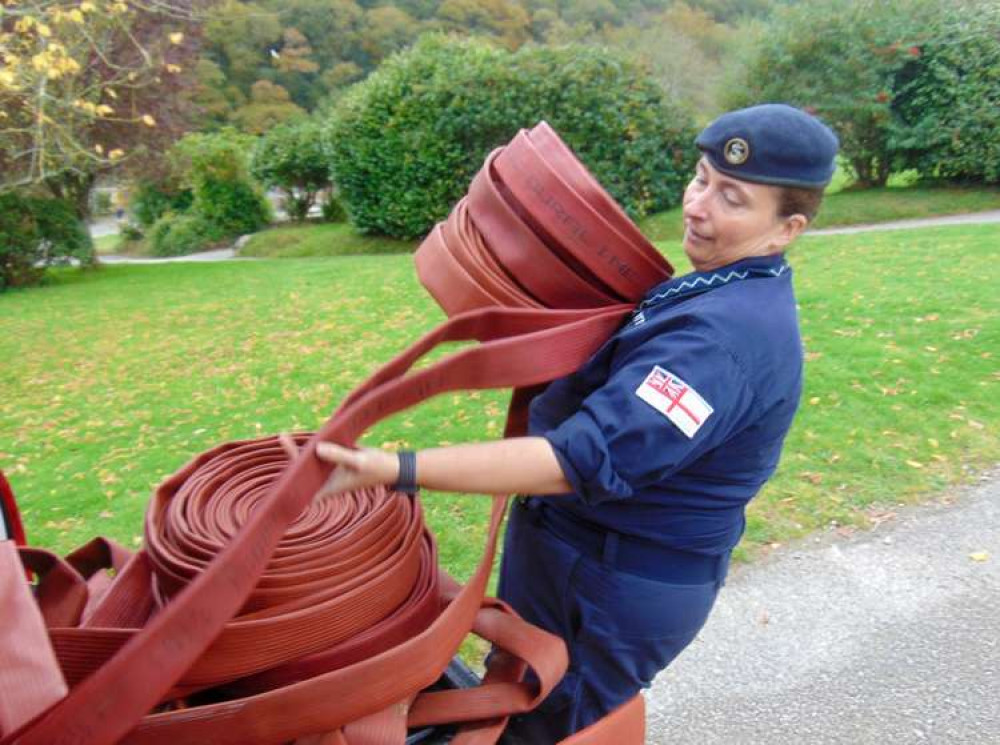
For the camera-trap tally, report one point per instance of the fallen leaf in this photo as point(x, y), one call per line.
point(980, 556)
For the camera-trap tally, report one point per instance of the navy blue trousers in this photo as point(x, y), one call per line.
point(621, 629)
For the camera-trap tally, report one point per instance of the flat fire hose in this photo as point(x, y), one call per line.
point(256, 614)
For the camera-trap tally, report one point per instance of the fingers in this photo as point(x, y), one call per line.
point(341, 456)
point(291, 449)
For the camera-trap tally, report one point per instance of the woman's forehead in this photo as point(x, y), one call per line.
point(748, 186)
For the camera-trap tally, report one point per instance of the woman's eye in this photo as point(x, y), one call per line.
point(731, 199)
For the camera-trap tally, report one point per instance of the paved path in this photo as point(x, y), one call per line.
point(887, 637)
point(103, 226)
point(219, 254)
point(966, 219)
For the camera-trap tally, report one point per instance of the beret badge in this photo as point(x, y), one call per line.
point(736, 151)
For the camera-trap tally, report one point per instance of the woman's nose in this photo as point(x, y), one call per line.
point(695, 204)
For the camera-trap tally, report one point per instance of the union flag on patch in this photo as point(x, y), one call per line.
point(675, 399)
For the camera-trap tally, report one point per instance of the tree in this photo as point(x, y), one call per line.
point(506, 20)
point(269, 106)
point(88, 86)
point(838, 58)
point(946, 98)
point(215, 168)
point(388, 29)
point(214, 98)
point(332, 27)
point(240, 38)
point(290, 158)
point(674, 42)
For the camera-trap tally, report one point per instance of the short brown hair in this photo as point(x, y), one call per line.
point(799, 200)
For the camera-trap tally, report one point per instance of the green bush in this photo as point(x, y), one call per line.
point(333, 209)
point(181, 234)
point(151, 200)
point(290, 158)
point(20, 241)
point(947, 99)
point(404, 144)
point(35, 233)
point(233, 207)
point(215, 168)
point(131, 232)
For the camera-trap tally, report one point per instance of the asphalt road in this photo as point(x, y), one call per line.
point(888, 637)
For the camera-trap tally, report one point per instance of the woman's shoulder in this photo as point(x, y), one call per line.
point(756, 324)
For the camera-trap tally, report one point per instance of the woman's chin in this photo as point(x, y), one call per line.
point(697, 252)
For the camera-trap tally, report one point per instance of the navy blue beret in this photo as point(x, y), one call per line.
point(772, 143)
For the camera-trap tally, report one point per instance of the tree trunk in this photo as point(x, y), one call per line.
point(882, 171)
point(74, 187)
point(862, 168)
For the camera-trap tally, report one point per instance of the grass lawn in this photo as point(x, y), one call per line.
point(106, 244)
point(118, 376)
point(322, 239)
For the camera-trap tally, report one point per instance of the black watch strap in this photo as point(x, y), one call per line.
point(407, 480)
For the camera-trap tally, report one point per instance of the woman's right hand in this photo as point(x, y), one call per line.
point(353, 468)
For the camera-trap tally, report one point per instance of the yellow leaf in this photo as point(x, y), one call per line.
point(43, 30)
point(173, 68)
point(176, 38)
point(814, 400)
point(914, 464)
point(148, 120)
point(75, 15)
point(980, 556)
point(116, 153)
point(104, 110)
point(87, 7)
point(99, 150)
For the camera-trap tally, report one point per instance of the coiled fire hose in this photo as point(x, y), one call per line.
point(255, 614)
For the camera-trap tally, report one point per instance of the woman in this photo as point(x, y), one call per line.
point(641, 463)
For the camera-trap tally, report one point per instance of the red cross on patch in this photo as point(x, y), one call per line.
point(675, 399)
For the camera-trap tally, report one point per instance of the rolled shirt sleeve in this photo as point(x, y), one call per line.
point(665, 403)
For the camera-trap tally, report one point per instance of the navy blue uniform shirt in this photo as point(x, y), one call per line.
point(677, 421)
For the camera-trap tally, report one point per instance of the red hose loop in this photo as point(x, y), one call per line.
point(562, 160)
point(11, 516)
point(537, 230)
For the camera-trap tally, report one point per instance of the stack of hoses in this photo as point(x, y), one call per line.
point(536, 230)
point(257, 615)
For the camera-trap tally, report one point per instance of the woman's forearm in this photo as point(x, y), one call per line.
point(519, 465)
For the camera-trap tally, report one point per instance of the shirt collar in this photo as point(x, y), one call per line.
point(773, 265)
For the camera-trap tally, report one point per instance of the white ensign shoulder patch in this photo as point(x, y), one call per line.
point(675, 399)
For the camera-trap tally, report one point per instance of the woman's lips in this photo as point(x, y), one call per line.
point(695, 234)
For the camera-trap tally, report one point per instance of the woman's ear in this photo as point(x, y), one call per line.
point(791, 228)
